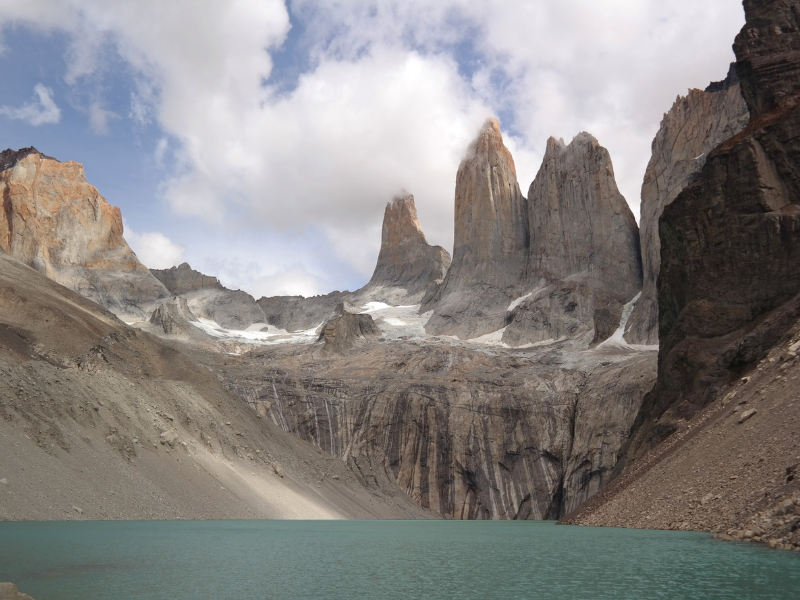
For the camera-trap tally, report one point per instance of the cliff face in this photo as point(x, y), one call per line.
point(695, 125)
point(584, 247)
point(730, 241)
point(491, 242)
point(206, 297)
point(408, 266)
point(467, 433)
point(55, 222)
point(183, 278)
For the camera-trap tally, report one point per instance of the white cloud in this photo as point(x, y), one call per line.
point(289, 281)
point(394, 92)
point(40, 112)
point(98, 118)
point(154, 249)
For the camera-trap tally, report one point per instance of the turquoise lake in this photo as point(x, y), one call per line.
point(245, 560)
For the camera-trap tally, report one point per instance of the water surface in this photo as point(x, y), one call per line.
point(245, 560)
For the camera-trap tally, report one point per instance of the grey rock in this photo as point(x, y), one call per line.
point(175, 318)
point(696, 124)
point(231, 309)
point(347, 329)
point(182, 279)
point(747, 414)
point(584, 247)
point(490, 245)
point(408, 267)
point(297, 313)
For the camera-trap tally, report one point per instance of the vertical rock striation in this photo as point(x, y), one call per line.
point(730, 242)
point(491, 242)
point(695, 125)
point(55, 222)
point(408, 266)
point(584, 256)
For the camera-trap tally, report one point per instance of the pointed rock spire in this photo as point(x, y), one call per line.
point(407, 264)
point(490, 242)
point(584, 249)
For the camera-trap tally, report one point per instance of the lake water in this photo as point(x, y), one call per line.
point(242, 560)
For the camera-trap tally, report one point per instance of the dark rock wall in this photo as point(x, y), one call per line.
point(730, 242)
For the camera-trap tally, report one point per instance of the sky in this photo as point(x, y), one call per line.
point(260, 140)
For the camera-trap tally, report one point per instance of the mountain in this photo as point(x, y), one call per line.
point(206, 297)
point(490, 246)
point(584, 263)
point(99, 420)
point(719, 428)
point(54, 221)
point(696, 124)
point(407, 266)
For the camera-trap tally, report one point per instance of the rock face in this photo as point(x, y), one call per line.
point(408, 266)
point(467, 433)
point(347, 329)
point(584, 247)
point(695, 125)
point(182, 279)
point(55, 222)
point(297, 313)
point(209, 299)
point(175, 318)
point(730, 241)
point(232, 309)
point(491, 242)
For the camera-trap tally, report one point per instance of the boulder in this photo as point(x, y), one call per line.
point(9, 591)
point(347, 329)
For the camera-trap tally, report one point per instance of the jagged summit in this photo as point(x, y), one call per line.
point(57, 223)
point(490, 242)
point(695, 125)
point(183, 279)
point(584, 262)
point(407, 265)
point(9, 157)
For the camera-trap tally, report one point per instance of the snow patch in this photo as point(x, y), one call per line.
point(518, 301)
point(617, 338)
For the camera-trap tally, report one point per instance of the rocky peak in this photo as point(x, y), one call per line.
point(695, 125)
point(731, 79)
point(584, 261)
point(768, 54)
point(54, 221)
point(408, 266)
point(578, 219)
point(490, 242)
point(183, 279)
point(729, 284)
point(9, 157)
